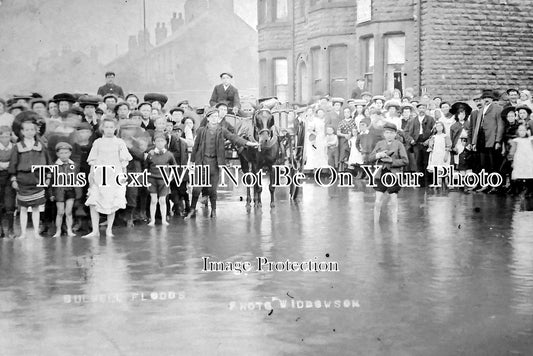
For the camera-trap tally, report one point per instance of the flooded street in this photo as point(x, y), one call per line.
point(454, 277)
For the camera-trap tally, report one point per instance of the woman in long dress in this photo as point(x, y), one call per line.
point(316, 147)
point(106, 195)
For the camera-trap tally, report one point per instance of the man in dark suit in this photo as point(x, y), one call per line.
point(421, 132)
point(407, 132)
point(110, 87)
point(208, 150)
point(226, 93)
point(178, 147)
point(356, 93)
point(486, 134)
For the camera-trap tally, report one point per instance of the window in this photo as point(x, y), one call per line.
point(281, 9)
point(281, 79)
point(364, 11)
point(338, 70)
point(368, 60)
point(263, 78)
point(395, 61)
point(396, 49)
point(316, 76)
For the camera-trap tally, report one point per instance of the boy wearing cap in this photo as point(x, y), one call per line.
point(7, 203)
point(390, 154)
point(65, 196)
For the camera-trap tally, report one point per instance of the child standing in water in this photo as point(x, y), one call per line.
point(65, 196)
point(159, 156)
point(105, 195)
point(522, 153)
point(390, 154)
point(29, 151)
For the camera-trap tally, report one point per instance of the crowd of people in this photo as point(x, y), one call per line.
point(79, 133)
point(490, 134)
point(426, 135)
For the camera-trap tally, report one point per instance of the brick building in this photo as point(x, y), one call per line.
point(207, 39)
point(450, 48)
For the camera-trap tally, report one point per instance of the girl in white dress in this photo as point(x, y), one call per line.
point(522, 153)
point(106, 197)
point(439, 146)
point(356, 158)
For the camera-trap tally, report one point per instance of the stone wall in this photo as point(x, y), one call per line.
point(476, 44)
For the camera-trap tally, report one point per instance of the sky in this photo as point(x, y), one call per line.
point(32, 28)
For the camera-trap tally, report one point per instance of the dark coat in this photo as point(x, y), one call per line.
point(493, 126)
point(408, 132)
point(230, 97)
point(455, 131)
point(356, 93)
point(178, 148)
point(396, 151)
point(111, 89)
point(222, 134)
point(427, 125)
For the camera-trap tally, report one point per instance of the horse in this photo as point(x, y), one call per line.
point(270, 152)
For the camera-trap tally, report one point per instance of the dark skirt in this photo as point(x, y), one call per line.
point(464, 161)
point(29, 194)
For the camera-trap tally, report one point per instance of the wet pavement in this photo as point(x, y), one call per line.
point(454, 277)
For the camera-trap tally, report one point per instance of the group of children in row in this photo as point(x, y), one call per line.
point(75, 178)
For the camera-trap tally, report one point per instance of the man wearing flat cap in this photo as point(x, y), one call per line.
point(110, 87)
point(226, 93)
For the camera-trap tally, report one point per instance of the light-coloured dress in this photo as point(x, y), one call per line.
point(523, 158)
point(355, 156)
point(438, 152)
point(315, 146)
point(108, 151)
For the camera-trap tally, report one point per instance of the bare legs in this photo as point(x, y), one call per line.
point(162, 208)
point(64, 209)
point(95, 219)
point(393, 207)
point(35, 217)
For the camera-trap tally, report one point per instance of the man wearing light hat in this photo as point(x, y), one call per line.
point(422, 128)
point(208, 150)
point(226, 93)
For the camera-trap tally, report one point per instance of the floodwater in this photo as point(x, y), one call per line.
point(449, 279)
